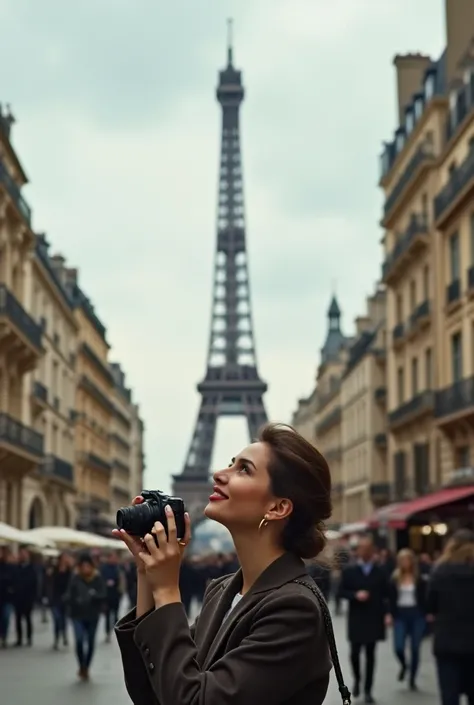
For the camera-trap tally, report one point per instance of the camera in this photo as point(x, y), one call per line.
point(139, 519)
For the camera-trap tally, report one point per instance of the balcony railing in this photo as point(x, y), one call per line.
point(421, 156)
point(380, 394)
point(11, 308)
point(97, 393)
point(16, 434)
point(458, 182)
point(381, 440)
point(116, 438)
point(380, 491)
point(95, 359)
point(398, 332)
point(57, 468)
point(419, 404)
point(418, 226)
point(334, 417)
point(97, 461)
point(453, 292)
point(40, 392)
point(15, 194)
point(455, 398)
point(116, 463)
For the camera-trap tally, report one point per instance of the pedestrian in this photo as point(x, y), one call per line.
point(407, 595)
point(24, 595)
point(85, 598)
point(451, 604)
point(59, 587)
point(7, 586)
point(365, 586)
point(261, 636)
point(110, 572)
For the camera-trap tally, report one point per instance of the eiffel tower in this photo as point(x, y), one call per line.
point(232, 385)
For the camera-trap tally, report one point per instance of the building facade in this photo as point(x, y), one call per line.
point(137, 459)
point(21, 337)
point(121, 442)
point(49, 396)
point(364, 419)
point(428, 181)
point(319, 417)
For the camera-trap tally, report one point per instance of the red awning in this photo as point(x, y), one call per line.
point(395, 516)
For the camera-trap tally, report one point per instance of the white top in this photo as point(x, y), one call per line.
point(235, 602)
point(406, 595)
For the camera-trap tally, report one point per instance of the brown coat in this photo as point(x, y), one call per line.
point(271, 649)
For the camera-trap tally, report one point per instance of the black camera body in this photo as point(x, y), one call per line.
point(139, 519)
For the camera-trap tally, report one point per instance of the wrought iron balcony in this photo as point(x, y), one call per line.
point(420, 317)
point(14, 433)
point(458, 188)
point(419, 405)
point(453, 292)
point(413, 240)
point(14, 192)
point(89, 386)
point(19, 319)
point(116, 463)
point(96, 461)
point(97, 362)
point(381, 440)
point(455, 399)
point(398, 333)
point(56, 468)
point(423, 156)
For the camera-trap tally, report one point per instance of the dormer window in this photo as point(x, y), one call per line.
point(469, 81)
point(418, 107)
point(409, 121)
point(400, 140)
point(453, 105)
point(429, 86)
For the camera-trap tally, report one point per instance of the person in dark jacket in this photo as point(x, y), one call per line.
point(60, 579)
point(407, 598)
point(451, 605)
point(24, 595)
point(321, 575)
point(7, 570)
point(85, 597)
point(365, 586)
point(111, 574)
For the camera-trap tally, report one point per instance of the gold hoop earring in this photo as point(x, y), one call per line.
point(263, 523)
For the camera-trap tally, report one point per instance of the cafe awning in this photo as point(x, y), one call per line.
point(396, 516)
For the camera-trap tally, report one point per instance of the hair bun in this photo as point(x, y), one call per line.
point(307, 544)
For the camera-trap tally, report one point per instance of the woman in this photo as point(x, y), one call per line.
point(59, 587)
point(260, 637)
point(407, 596)
point(451, 605)
point(85, 598)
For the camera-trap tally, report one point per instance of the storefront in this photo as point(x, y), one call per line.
point(423, 523)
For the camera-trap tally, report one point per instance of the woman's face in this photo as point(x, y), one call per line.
point(242, 493)
point(406, 564)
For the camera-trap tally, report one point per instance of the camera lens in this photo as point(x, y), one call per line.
point(137, 520)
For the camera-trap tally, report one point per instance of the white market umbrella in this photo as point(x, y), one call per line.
point(13, 535)
point(65, 536)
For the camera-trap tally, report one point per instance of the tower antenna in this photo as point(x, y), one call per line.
point(230, 37)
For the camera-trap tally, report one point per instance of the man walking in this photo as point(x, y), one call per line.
point(365, 586)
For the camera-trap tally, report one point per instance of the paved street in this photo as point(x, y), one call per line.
point(43, 676)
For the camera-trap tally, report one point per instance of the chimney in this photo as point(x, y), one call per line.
point(410, 72)
point(459, 33)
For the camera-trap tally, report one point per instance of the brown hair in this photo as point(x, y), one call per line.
point(300, 473)
point(459, 548)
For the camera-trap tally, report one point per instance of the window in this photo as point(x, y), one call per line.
point(451, 169)
point(454, 263)
point(429, 86)
point(472, 238)
point(409, 122)
point(421, 468)
point(418, 107)
point(401, 385)
point(456, 357)
point(424, 206)
point(428, 369)
point(463, 459)
point(426, 282)
point(399, 475)
point(413, 294)
point(414, 377)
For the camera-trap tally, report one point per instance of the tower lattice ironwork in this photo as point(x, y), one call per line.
point(232, 385)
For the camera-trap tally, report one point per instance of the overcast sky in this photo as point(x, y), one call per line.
point(118, 131)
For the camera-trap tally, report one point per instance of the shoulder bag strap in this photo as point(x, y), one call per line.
point(343, 689)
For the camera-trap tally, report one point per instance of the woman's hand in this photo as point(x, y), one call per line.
point(134, 544)
point(163, 561)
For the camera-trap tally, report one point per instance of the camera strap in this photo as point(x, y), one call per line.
point(343, 689)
